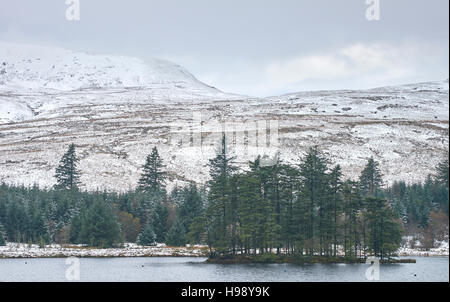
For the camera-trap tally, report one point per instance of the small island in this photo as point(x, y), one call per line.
point(295, 259)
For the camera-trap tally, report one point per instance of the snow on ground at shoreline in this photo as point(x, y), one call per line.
point(440, 250)
point(20, 250)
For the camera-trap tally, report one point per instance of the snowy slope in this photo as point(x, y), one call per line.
point(115, 109)
point(34, 74)
point(37, 68)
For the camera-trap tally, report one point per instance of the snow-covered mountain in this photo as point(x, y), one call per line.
point(34, 72)
point(115, 109)
point(37, 68)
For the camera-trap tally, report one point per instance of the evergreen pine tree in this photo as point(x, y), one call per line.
point(2, 236)
point(250, 212)
point(67, 174)
point(371, 180)
point(197, 228)
point(147, 237)
point(336, 204)
point(220, 195)
point(314, 192)
point(16, 221)
point(384, 230)
point(443, 171)
point(153, 177)
point(99, 226)
point(75, 229)
point(191, 206)
point(177, 234)
point(351, 207)
point(289, 228)
point(159, 221)
point(38, 229)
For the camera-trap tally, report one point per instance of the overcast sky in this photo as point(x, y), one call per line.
point(252, 47)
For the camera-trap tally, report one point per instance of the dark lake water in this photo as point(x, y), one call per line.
point(194, 269)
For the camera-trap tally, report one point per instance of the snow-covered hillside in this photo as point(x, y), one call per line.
point(115, 109)
point(36, 68)
point(35, 73)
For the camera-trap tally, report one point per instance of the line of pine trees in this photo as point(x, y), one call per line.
point(302, 208)
point(308, 208)
point(305, 208)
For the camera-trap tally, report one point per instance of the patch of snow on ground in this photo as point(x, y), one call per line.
point(16, 250)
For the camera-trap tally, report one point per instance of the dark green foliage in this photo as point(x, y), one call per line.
point(297, 210)
point(16, 222)
point(67, 174)
point(153, 177)
point(334, 210)
point(2, 236)
point(442, 172)
point(352, 203)
point(38, 228)
point(75, 229)
point(147, 237)
point(159, 221)
point(177, 234)
point(413, 203)
point(99, 226)
point(384, 235)
point(220, 201)
point(34, 215)
point(197, 229)
point(252, 209)
point(313, 194)
point(371, 180)
point(190, 207)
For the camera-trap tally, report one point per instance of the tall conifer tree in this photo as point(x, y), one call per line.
point(443, 171)
point(153, 178)
point(220, 191)
point(67, 175)
point(314, 192)
point(371, 179)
